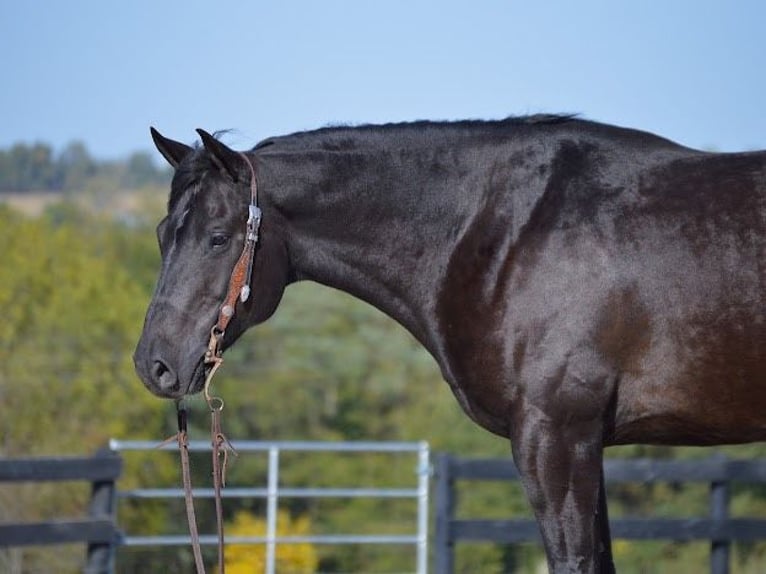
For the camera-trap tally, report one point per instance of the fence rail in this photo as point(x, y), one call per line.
point(718, 471)
point(273, 492)
point(97, 529)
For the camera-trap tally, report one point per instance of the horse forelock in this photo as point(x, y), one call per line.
point(190, 178)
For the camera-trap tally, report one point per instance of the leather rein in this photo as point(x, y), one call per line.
point(239, 289)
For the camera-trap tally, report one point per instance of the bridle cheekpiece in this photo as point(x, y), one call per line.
point(241, 275)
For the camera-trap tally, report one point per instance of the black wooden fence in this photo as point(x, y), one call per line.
point(97, 529)
point(718, 471)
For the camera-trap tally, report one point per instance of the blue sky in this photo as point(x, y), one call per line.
point(103, 72)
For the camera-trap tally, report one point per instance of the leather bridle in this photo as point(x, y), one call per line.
point(239, 282)
point(238, 289)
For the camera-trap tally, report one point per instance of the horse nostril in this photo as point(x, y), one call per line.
point(164, 376)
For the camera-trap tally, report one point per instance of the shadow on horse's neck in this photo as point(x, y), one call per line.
point(371, 225)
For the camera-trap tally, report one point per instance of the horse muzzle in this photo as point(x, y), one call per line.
point(170, 379)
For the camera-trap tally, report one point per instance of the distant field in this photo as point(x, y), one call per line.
point(30, 202)
point(126, 202)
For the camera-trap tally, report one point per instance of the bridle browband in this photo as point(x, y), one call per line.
point(238, 289)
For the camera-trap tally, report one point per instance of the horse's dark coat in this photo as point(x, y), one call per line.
point(579, 284)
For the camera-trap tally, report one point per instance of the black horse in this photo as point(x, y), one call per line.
point(579, 284)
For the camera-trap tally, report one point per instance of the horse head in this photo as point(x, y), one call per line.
point(201, 239)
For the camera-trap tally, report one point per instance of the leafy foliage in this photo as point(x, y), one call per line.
point(299, 558)
point(71, 317)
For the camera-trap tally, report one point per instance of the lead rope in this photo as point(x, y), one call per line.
point(221, 448)
point(183, 447)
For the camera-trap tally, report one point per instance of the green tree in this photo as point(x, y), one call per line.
point(26, 167)
point(75, 166)
point(36, 167)
point(72, 314)
point(140, 170)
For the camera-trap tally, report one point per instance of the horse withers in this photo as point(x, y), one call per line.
point(579, 284)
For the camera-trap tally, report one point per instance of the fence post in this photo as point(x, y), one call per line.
point(719, 512)
point(424, 479)
point(272, 507)
point(100, 556)
point(444, 549)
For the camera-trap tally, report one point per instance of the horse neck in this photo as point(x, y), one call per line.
point(371, 225)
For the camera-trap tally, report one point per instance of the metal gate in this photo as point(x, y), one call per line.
point(272, 492)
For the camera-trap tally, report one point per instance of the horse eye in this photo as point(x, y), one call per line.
point(218, 240)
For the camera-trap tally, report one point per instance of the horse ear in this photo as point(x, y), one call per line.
point(174, 152)
point(226, 159)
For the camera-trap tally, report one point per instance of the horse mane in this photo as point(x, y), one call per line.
point(338, 136)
